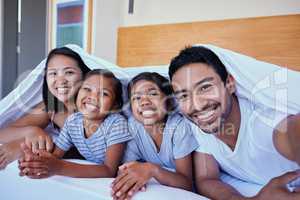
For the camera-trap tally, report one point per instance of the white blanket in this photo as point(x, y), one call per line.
point(261, 82)
point(29, 92)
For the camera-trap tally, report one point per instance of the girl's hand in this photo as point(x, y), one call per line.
point(133, 177)
point(38, 139)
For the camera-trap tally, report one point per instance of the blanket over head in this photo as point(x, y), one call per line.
point(262, 83)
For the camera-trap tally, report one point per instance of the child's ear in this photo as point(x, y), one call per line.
point(230, 84)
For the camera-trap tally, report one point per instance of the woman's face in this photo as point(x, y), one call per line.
point(63, 77)
point(148, 103)
point(96, 97)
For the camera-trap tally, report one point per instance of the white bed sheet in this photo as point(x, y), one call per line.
point(14, 187)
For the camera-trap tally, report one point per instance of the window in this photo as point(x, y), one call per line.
point(70, 23)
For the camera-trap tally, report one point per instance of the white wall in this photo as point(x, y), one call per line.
point(110, 14)
point(106, 21)
point(173, 11)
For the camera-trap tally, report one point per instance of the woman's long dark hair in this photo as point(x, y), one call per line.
point(52, 104)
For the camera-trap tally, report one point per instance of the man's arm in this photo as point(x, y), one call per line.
point(294, 136)
point(207, 179)
point(287, 137)
point(209, 185)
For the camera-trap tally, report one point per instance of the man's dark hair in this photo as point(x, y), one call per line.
point(198, 54)
point(162, 83)
point(52, 104)
point(117, 84)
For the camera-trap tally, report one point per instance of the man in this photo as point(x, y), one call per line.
point(234, 137)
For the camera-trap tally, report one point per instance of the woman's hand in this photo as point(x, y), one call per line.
point(9, 152)
point(37, 139)
point(132, 178)
point(38, 165)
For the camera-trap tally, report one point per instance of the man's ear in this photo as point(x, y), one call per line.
point(230, 84)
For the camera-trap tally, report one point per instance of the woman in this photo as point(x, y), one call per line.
point(63, 74)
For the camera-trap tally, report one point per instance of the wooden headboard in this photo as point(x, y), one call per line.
point(273, 39)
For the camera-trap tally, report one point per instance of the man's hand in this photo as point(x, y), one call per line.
point(276, 188)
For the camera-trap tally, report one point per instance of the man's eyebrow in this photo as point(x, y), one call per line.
point(207, 79)
point(196, 84)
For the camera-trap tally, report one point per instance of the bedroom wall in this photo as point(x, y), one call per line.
point(110, 14)
point(106, 21)
point(173, 11)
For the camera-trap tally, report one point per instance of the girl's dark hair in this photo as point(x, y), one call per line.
point(198, 54)
point(117, 84)
point(162, 83)
point(52, 104)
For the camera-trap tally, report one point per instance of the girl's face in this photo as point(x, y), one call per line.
point(63, 77)
point(96, 97)
point(148, 103)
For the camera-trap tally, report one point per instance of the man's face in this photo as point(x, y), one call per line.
point(202, 95)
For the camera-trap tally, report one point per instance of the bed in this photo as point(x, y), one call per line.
point(273, 39)
point(14, 187)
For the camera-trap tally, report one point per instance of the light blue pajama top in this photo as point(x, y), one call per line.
point(178, 141)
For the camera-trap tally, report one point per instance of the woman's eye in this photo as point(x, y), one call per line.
point(51, 73)
point(86, 89)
